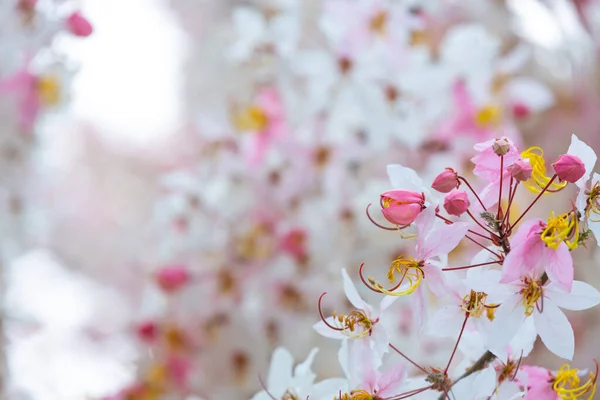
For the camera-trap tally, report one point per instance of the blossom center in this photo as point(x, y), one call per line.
point(253, 118)
point(356, 325)
point(378, 23)
point(562, 228)
point(488, 116)
point(593, 203)
point(48, 88)
point(568, 386)
point(474, 303)
point(539, 179)
point(289, 395)
point(531, 293)
point(356, 395)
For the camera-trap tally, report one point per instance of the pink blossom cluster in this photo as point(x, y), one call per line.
point(513, 291)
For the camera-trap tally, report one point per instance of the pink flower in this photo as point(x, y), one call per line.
point(446, 181)
point(487, 162)
point(531, 255)
point(78, 25)
point(173, 277)
point(456, 202)
point(521, 170)
point(401, 207)
point(539, 384)
point(569, 168)
point(294, 243)
point(23, 84)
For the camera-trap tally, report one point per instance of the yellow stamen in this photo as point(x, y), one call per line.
point(531, 294)
point(539, 179)
point(488, 116)
point(491, 312)
point(563, 228)
point(253, 118)
point(349, 324)
point(378, 23)
point(48, 88)
point(411, 271)
point(474, 303)
point(356, 395)
point(593, 203)
point(567, 384)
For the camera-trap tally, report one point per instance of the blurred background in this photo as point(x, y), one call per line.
point(180, 180)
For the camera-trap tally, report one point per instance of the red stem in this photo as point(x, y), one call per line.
point(531, 205)
point(457, 342)
point(473, 191)
point(471, 266)
point(500, 191)
point(468, 230)
point(408, 359)
point(481, 226)
point(482, 246)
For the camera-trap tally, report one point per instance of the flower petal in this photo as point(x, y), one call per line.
point(391, 380)
point(582, 296)
point(352, 293)
point(555, 330)
point(559, 266)
point(280, 372)
point(585, 154)
point(404, 178)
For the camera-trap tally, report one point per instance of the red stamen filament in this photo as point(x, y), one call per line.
point(408, 358)
point(335, 328)
point(532, 203)
point(471, 266)
point(462, 329)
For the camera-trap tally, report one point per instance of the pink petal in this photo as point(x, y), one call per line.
point(559, 266)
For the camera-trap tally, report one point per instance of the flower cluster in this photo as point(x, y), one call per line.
point(514, 289)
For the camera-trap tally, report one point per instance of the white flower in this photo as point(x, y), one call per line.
point(299, 381)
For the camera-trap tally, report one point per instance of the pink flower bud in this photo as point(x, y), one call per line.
point(173, 277)
point(569, 168)
point(78, 25)
point(501, 146)
point(456, 202)
point(147, 331)
point(26, 5)
point(401, 207)
point(521, 170)
point(446, 181)
point(520, 111)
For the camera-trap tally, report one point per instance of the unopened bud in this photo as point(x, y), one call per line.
point(401, 207)
point(501, 146)
point(521, 170)
point(172, 277)
point(456, 202)
point(446, 181)
point(569, 168)
point(78, 25)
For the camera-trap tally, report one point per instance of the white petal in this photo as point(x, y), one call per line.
point(280, 372)
point(555, 330)
point(323, 330)
point(508, 319)
point(447, 321)
point(530, 92)
point(352, 293)
point(329, 388)
point(485, 383)
point(582, 296)
point(404, 178)
point(586, 154)
point(303, 376)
